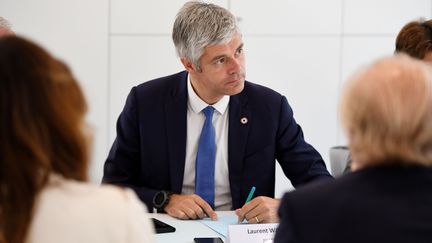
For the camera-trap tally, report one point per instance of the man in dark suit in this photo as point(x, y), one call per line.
point(387, 113)
point(158, 149)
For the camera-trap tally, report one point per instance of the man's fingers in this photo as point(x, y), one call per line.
point(179, 214)
point(247, 210)
point(206, 207)
point(189, 211)
point(238, 212)
point(189, 207)
point(198, 211)
point(265, 211)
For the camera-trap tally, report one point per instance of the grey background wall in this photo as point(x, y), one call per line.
point(303, 49)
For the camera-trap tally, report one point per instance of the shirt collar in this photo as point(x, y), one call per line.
point(197, 104)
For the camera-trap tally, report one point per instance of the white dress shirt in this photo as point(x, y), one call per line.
point(195, 122)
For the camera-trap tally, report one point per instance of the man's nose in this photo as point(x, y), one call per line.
point(236, 66)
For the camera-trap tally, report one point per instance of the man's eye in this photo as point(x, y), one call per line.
point(240, 51)
point(220, 61)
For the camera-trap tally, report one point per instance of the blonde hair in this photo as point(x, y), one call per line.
point(386, 110)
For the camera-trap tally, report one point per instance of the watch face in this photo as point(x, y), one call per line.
point(159, 199)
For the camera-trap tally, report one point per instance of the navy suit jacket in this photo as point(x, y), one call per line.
point(381, 204)
point(149, 151)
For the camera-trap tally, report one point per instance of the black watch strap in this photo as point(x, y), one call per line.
point(161, 199)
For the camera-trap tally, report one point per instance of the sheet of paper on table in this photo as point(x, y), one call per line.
point(221, 225)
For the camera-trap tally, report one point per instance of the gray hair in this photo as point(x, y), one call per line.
point(4, 24)
point(199, 25)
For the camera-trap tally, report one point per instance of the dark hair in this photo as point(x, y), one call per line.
point(415, 39)
point(42, 112)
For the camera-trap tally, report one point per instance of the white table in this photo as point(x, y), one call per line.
point(186, 230)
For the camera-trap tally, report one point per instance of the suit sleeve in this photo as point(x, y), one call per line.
point(123, 163)
point(300, 162)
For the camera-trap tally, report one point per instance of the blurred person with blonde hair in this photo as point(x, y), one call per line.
point(415, 40)
point(44, 152)
point(386, 111)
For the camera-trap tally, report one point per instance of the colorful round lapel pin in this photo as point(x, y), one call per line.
point(244, 120)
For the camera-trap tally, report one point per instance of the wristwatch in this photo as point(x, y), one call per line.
point(161, 199)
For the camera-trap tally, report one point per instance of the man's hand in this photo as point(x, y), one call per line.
point(189, 207)
point(259, 210)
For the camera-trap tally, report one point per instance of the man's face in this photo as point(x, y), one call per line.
point(222, 71)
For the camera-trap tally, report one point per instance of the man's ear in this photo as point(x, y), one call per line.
point(188, 65)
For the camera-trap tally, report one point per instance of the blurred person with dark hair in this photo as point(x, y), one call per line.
point(386, 111)
point(415, 39)
point(44, 152)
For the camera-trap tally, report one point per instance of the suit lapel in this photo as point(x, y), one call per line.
point(176, 126)
point(239, 119)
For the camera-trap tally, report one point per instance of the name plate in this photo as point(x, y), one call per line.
point(251, 233)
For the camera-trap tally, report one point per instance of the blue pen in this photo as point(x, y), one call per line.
point(252, 191)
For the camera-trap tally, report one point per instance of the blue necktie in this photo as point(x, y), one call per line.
point(205, 160)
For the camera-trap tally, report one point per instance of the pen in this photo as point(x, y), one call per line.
point(252, 191)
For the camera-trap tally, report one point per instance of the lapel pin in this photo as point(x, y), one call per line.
point(244, 120)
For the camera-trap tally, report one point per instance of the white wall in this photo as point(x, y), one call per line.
point(303, 49)
point(77, 32)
